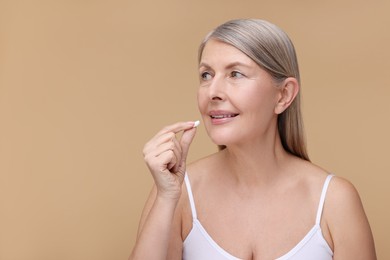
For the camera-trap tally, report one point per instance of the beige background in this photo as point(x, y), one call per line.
point(84, 84)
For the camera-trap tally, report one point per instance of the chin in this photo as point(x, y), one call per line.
point(224, 135)
point(220, 139)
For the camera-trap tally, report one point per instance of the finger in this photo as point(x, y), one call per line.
point(167, 158)
point(173, 146)
point(156, 141)
point(172, 164)
point(178, 153)
point(170, 146)
point(185, 143)
point(169, 141)
point(177, 147)
point(176, 128)
point(164, 136)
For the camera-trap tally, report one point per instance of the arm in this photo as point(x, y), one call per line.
point(159, 230)
point(348, 224)
point(159, 235)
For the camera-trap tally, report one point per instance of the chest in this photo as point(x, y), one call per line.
point(250, 227)
point(199, 246)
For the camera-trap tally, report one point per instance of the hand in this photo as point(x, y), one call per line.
point(166, 156)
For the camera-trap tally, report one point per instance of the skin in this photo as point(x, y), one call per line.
point(272, 196)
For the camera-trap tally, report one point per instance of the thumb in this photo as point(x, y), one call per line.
point(185, 142)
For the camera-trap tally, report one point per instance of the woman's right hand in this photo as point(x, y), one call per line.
point(165, 156)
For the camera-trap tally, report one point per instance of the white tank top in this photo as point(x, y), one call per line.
point(199, 245)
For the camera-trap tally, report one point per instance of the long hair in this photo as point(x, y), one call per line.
point(271, 48)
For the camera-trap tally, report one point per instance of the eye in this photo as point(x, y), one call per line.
point(205, 76)
point(236, 74)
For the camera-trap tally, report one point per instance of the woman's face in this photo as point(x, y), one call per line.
point(236, 98)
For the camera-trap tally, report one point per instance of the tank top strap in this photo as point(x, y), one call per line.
point(190, 196)
point(322, 199)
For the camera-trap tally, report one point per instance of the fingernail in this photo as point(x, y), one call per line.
point(196, 123)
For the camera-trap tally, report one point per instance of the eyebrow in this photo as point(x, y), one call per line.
point(229, 66)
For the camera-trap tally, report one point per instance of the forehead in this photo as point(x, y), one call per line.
point(216, 51)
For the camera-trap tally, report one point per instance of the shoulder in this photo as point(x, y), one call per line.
point(197, 173)
point(342, 204)
point(311, 176)
point(342, 190)
point(347, 222)
point(342, 197)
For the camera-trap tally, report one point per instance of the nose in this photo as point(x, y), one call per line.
point(217, 89)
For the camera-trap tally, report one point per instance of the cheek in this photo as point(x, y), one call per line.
point(202, 101)
point(259, 101)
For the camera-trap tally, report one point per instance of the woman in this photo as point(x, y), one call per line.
point(259, 196)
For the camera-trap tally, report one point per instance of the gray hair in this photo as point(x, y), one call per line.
point(271, 48)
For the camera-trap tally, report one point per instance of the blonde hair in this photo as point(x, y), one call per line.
point(271, 48)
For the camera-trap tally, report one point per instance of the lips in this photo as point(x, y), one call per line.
point(222, 116)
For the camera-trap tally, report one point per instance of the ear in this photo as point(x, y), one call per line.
point(288, 91)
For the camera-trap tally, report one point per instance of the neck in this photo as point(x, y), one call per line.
point(258, 162)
